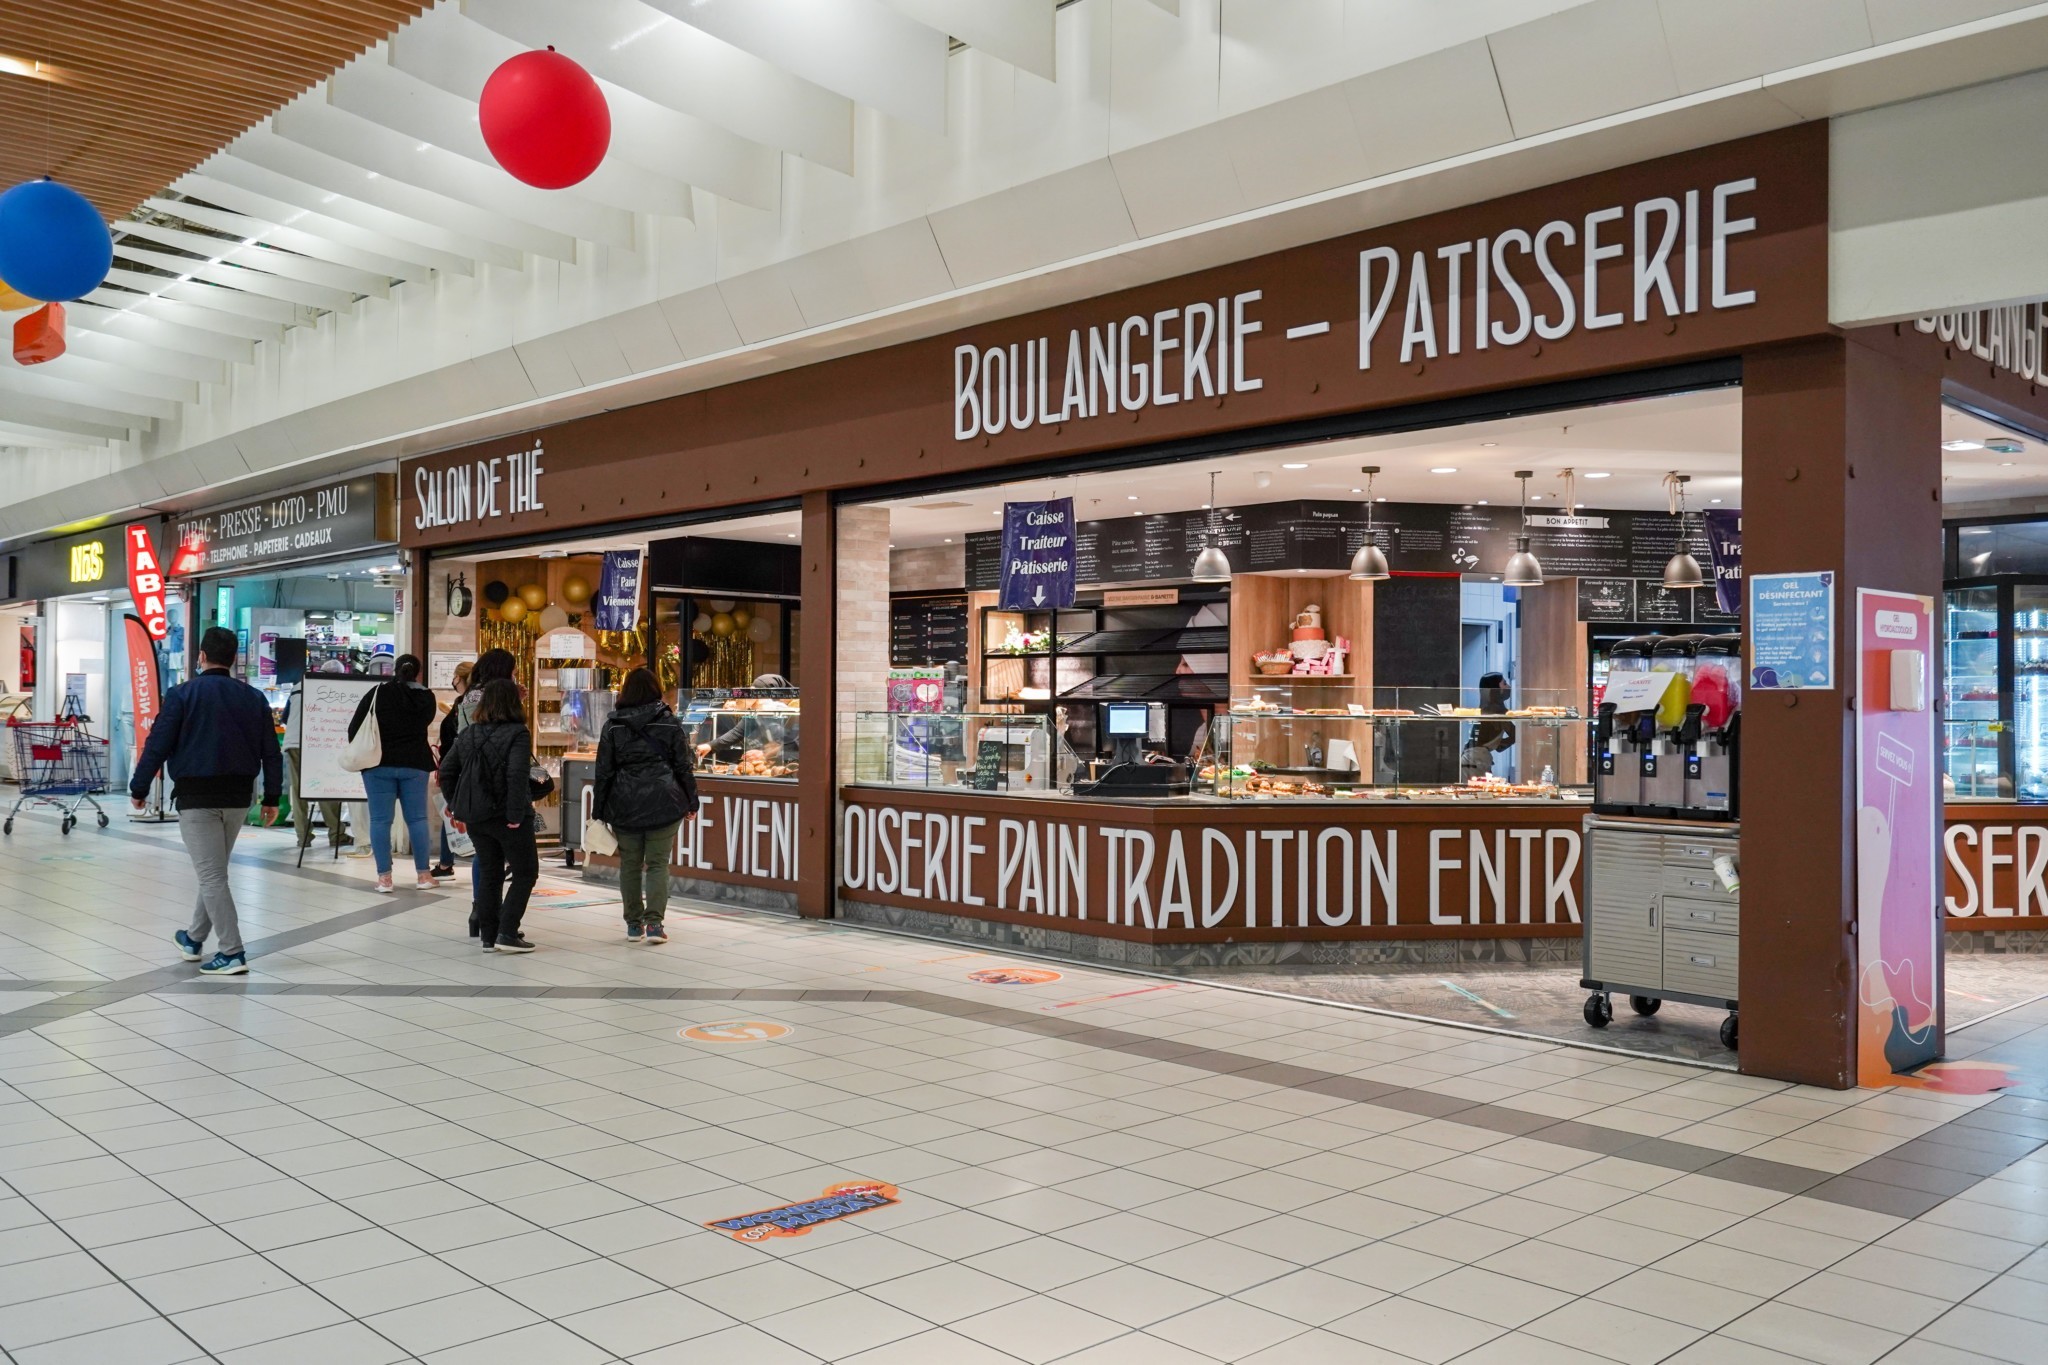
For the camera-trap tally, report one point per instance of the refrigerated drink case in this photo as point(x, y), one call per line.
point(1664, 765)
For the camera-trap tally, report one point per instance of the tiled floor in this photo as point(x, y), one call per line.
point(388, 1146)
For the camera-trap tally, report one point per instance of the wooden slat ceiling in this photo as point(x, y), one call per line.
point(147, 89)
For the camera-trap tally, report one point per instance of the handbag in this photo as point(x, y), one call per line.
point(598, 838)
point(540, 784)
point(366, 749)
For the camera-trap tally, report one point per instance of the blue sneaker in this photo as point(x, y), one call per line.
point(634, 933)
point(225, 964)
point(189, 948)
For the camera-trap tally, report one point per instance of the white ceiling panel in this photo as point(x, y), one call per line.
point(158, 334)
point(42, 438)
point(260, 255)
point(356, 227)
point(1719, 42)
point(127, 381)
point(1177, 182)
point(113, 349)
point(1164, 72)
point(1581, 64)
point(869, 273)
point(131, 249)
point(1295, 147)
point(1891, 20)
point(81, 419)
point(548, 366)
point(380, 93)
point(595, 353)
point(861, 49)
point(91, 397)
point(187, 315)
point(1435, 107)
point(345, 179)
point(762, 305)
point(671, 63)
point(644, 338)
point(1074, 213)
point(394, 157)
point(305, 251)
point(1020, 32)
point(213, 297)
point(702, 324)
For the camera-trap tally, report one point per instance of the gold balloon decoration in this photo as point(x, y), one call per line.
point(575, 590)
point(533, 595)
point(513, 611)
point(740, 617)
point(722, 624)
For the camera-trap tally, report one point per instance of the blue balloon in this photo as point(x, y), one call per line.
point(54, 245)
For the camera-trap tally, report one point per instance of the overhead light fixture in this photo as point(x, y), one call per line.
point(1263, 479)
point(1523, 570)
point(1597, 474)
point(2005, 445)
point(1681, 570)
point(1211, 565)
point(1962, 445)
point(1294, 466)
point(1445, 469)
point(1369, 565)
point(1488, 445)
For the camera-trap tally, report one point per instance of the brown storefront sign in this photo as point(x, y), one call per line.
point(743, 832)
point(1697, 255)
point(1997, 867)
point(1205, 873)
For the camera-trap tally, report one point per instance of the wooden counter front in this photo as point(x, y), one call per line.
point(1997, 865)
point(1217, 871)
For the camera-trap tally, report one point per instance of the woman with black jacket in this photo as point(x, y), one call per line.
point(644, 790)
point(485, 774)
point(405, 708)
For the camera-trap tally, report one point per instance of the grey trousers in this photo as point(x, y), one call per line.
point(209, 837)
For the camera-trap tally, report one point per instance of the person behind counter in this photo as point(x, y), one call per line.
point(1489, 737)
point(644, 789)
point(777, 734)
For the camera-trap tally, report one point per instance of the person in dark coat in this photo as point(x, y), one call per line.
point(486, 774)
point(491, 665)
point(215, 735)
point(405, 708)
point(645, 788)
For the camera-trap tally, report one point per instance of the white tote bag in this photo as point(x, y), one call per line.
point(366, 750)
point(598, 838)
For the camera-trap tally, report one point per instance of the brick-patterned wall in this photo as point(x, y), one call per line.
point(928, 568)
point(863, 643)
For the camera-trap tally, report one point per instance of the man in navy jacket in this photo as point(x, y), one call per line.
point(215, 735)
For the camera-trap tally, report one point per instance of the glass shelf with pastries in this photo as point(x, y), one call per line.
point(1413, 744)
point(745, 737)
point(1010, 752)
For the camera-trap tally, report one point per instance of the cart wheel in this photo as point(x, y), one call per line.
point(1644, 1004)
point(1728, 1033)
point(8, 828)
point(69, 821)
point(103, 819)
point(1599, 1010)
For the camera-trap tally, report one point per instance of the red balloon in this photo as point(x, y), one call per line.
point(545, 119)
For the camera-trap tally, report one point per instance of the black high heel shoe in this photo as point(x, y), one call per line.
point(476, 925)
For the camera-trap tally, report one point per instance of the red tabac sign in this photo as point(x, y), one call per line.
point(146, 583)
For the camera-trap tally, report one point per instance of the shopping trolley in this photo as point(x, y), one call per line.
point(58, 764)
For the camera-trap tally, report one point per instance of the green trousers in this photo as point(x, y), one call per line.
point(643, 873)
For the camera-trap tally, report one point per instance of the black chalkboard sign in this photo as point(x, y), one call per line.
point(988, 771)
point(1607, 599)
point(928, 631)
point(1661, 605)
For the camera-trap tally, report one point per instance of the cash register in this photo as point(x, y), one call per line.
point(1130, 772)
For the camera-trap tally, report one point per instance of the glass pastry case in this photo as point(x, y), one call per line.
point(1432, 744)
point(746, 737)
point(969, 751)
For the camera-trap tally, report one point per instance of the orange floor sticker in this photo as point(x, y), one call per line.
point(1014, 976)
point(735, 1031)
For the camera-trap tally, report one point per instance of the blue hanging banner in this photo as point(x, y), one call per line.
point(1038, 555)
point(618, 591)
point(1724, 541)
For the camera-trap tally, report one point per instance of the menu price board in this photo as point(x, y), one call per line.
point(927, 631)
point(1607, 599)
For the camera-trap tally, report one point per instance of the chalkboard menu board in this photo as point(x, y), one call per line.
point(988, 766)
point(927, 631)
point(1607, 599)
point(1659, 605)
point(1318, 535)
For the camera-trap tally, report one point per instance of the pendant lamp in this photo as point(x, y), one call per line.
point(1681, 570)
point(1523, 571)
point(1369, 565)
point(1211, 565)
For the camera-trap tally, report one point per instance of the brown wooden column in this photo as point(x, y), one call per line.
point(816, 784)
point(1841, 470)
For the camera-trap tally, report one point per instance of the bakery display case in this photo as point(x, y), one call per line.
point(744, 737)
point(1014, 753)
point(1278, 743)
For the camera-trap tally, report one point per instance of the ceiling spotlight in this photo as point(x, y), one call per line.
point(2005, 445)
point(1211, 565)
point(1369, 565)
point(1681, 570)
point(1596, 474)
point(1263, 479)
point(1130, 497)
point(1444, 469)
point(1294, 466)
point(1523, 570)
point(1488, 445)
point(1962, 445)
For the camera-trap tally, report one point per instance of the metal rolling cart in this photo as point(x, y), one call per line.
point(1663, 916)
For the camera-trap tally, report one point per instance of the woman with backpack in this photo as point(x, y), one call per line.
point(644, 790)
point(487, 774)
point(403, 708)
